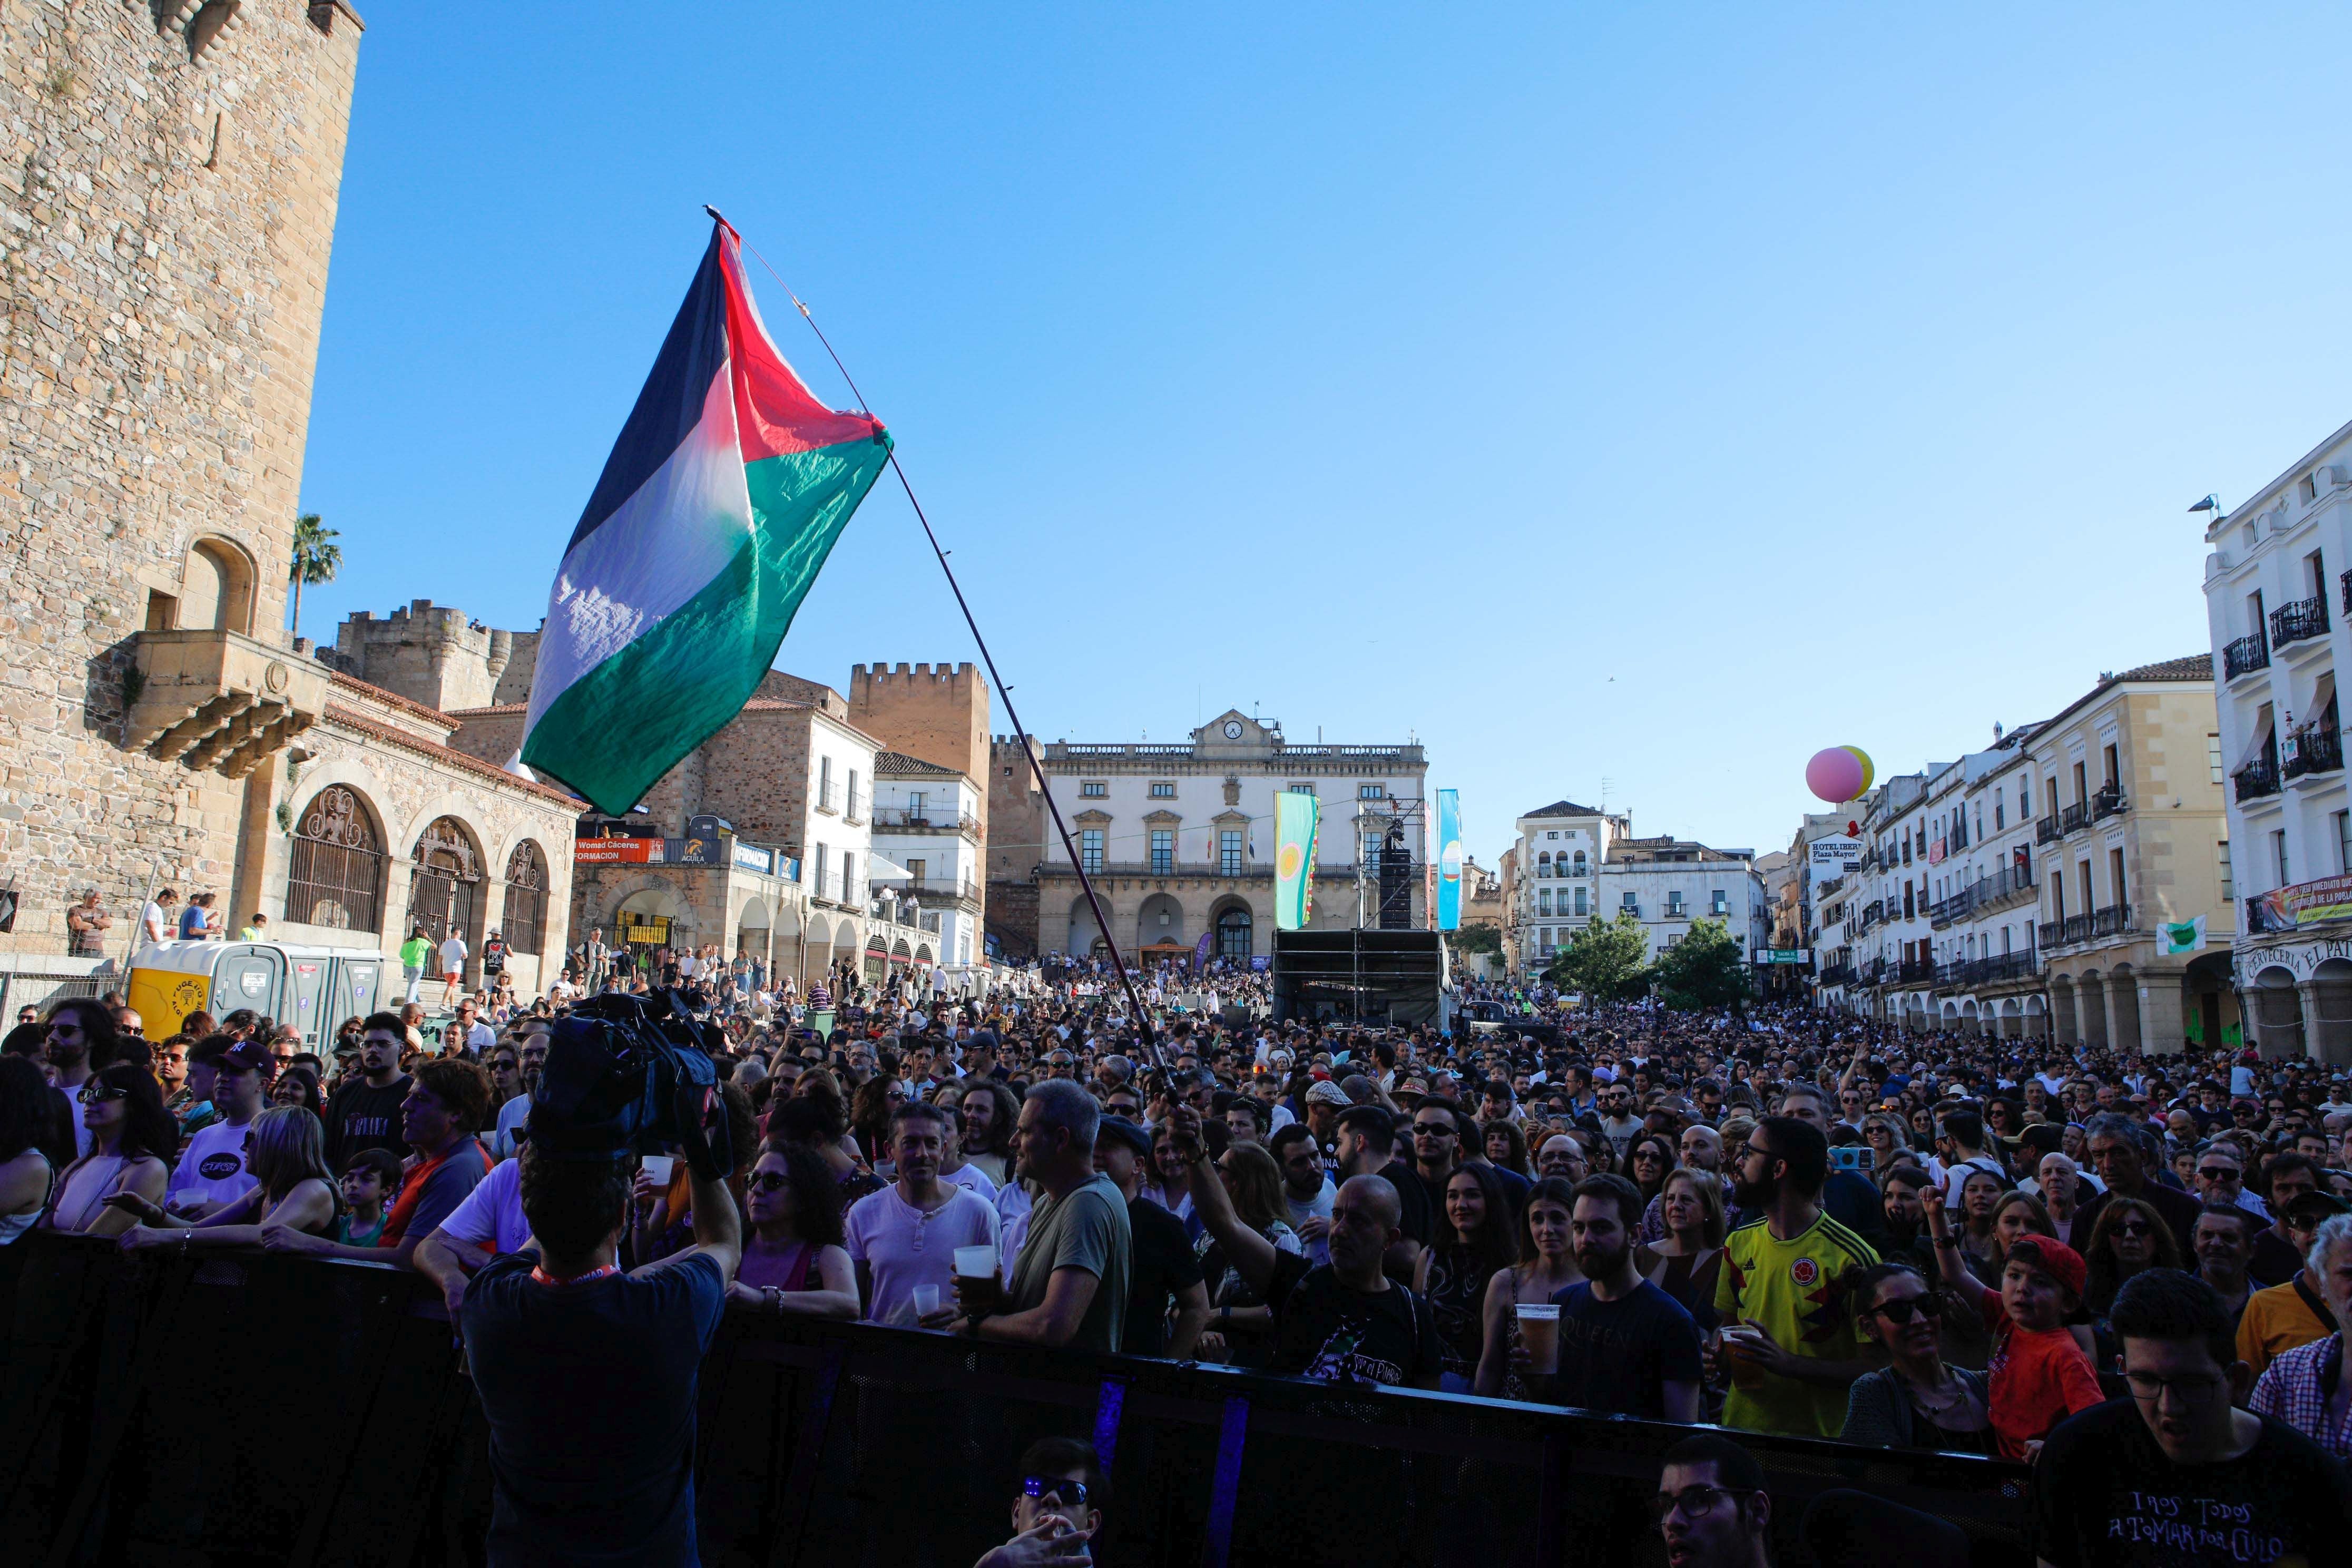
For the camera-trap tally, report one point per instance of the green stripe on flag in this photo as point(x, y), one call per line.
point(632, 717)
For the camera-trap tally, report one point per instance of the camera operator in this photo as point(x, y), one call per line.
point(588, 1375)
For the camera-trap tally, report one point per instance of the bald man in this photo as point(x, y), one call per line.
point(1341, 1321)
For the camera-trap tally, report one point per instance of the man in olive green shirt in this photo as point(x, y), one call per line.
point(1070, 1285)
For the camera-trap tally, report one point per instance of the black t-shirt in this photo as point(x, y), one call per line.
point(1615, 1357)
point(2105, 1497)
point(1413, 1198)
point(1161, 1265)
point(589, 1391)
point(360, 1117)
point(1334, 1333)
point(2273, 1262)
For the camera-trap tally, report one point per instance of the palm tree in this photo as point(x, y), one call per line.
point(316, 558)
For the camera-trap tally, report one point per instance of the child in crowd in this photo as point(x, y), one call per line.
point(2040, 1368)
point(369, 1177)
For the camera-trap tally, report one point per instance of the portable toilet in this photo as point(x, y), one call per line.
point(313, 988)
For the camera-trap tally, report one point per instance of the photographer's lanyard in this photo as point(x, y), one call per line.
point(545, 1277)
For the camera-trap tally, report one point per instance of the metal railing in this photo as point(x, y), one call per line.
point(805, 1429)
point(1987, 970)
point(2318, 750)
point(2075, 818)
point(2244, 657)
point(2109, 802)
point(2047, 831)
point(827, 799)
point(1916, 972)
point(2256, 779)
point(2115, 920)
point(2298, 622)
point(925, 821)
point(2345, 583)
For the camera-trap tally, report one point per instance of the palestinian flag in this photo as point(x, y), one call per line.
point(717, 508)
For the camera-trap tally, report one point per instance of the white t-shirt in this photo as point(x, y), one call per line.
point(1318, 1251)
point(1955, 1177)
point(511, 1117)
point(152, 921)
point(453, 955)
point(492, 1211)
point(902, 1248)
point(214, 1170)
point(973, 1179)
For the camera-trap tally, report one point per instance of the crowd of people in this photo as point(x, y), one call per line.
point(2128, 1271)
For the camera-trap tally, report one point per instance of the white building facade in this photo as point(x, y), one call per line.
point(927, 855)
point(2278, 593)
point(1581, 865)
point(1178, 839)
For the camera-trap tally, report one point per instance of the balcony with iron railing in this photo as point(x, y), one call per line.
point(2047, 831)
point(1916, 972)
point(828, 796)
point(2299, 621)
point(2115, 920)
point(1990, 971)
point(2317, 749)
point(2073, 818)
point(2257, 779)
point(2244, 657)
point(2109, 802)
point(906, 819)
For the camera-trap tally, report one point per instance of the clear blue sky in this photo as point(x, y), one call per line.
point(1654, 394)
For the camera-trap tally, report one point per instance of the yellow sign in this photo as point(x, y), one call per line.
point(645, 936)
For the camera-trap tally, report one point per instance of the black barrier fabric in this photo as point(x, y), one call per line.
point(255, 1409)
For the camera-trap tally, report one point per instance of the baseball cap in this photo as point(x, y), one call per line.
point(2056, 1259)
point(1118, 1129)
point(246, 1056)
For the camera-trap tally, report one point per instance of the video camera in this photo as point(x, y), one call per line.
point(628, 1072)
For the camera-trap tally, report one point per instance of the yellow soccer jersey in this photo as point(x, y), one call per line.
point(1791, 1289)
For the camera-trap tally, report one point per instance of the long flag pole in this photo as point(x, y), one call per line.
point(1004, 692)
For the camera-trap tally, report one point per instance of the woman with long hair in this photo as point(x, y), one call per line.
point(1243, 1321)
point(1474, 1235)
point(1980, 1192)
point(1506, 1146)
point(1915, 1400)
point(989, 1114)
point(297, 1087)
point(132, 1141)
point(2130, 1236)
point(1650, 1157)
point(870, 1116)
point(1546, 1266)
point(27, 1110)
point(1691, 1255)
point(793, 1260)
point(1884, 1131)
point(2015, 1215)
point(286, 1153)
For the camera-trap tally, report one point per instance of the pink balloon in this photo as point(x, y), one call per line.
point(1834, 774)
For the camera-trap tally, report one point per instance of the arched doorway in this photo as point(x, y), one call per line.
point(334, 876)
point(2278, 1013)
point(445, 883)
point(2331, 995)
point(1086, 936)
point(524, 923)
point(1236, 935)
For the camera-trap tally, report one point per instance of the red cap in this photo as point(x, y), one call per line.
point(2056, 1259)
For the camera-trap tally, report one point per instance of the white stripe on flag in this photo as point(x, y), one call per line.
point(660, 549)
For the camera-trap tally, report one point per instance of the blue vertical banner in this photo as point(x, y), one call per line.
point(1449, 860)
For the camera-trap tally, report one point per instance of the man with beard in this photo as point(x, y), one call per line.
point(1626, 1348)
point(364, 1112)
point(1795, 1349)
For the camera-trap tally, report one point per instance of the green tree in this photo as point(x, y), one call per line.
point(1475, 939)
point(1606, 960)
point(317, 558)
point(1705, 969)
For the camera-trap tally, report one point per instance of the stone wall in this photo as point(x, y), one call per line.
point(167, 205)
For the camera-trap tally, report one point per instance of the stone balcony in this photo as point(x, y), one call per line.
point(219, 700)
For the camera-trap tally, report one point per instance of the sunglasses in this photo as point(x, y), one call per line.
point(1695, 1502)
point(1055, 1488)
point(2135, 1227)
point(97, 1093)
point(2217, 1174)
point(1904, 1308)
point(769, 1181)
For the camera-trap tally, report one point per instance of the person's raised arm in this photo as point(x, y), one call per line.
point(717, 1227)
point(1950, 1264)
point(1249, 1254)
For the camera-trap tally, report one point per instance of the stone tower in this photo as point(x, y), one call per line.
point(170, 174)
point(428, 653)
point(1016, 807)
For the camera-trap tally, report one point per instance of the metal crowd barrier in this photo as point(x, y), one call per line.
point(255, 1409)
